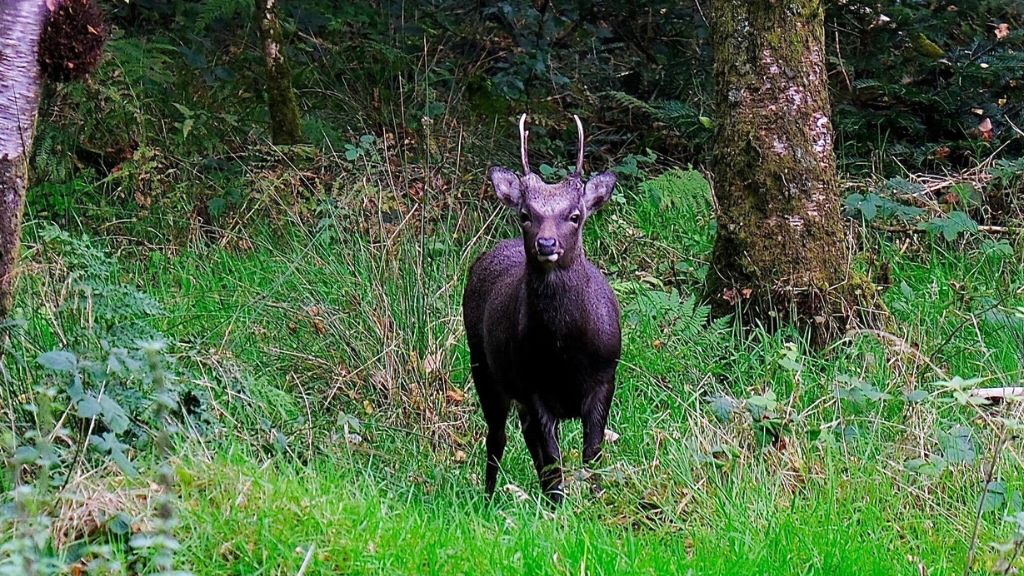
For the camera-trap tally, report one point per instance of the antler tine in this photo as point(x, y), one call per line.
point(579, 154)
point(523, 134)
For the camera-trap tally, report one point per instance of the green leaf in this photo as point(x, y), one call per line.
point(917, 396)
point(950, 226)
point(722, 407)
point(931, 466)
point(351, 153)
point(957, 445)
point(790, 364)
point(859, 391)
point(113, 415)
point(88, 407)
point(113, 447)
point(25, 455)
point(120, 524)
point(994, 497)
point(58, 360)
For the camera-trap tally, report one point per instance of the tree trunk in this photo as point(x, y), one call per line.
point(21, 24)
point(781, 252)
point(281, 100)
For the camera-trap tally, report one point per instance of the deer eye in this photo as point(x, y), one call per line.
point(575, 218)
point(524, 216)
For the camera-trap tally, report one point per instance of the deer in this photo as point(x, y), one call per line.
point(542, 323)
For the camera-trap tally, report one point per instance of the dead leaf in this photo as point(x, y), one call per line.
point(460, 456)
point(432, 362)
point(1002, 31)
point(730, 296)
point(455, 396)
point(516, 492)
point(317, 321)
point(610, 436)
point(985, 128)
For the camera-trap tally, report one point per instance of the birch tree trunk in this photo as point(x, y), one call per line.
point(281, 100)
point(21, 24)
point(781, 252)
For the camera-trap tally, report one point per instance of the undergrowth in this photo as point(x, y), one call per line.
point(330, 418)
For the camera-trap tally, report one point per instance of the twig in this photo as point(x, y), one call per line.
point(996, 451)
point(916, 230)
point(960, 327)
point(305, 563)
point(902, 346)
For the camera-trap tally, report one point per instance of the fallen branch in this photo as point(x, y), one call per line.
point(1002, 393)
point(902, 346)
point(916, 230)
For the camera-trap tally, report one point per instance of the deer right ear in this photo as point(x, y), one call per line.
point(506, 185)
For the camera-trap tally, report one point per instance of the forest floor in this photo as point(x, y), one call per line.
point(334, 411)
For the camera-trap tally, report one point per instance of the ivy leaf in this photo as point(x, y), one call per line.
point(58, 360)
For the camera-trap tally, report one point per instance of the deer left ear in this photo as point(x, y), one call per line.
point(598, 190)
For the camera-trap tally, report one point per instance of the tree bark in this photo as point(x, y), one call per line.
point(281, 100)
point(781, 252)
point(21, 24)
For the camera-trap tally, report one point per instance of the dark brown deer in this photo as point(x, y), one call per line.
point(542, 322)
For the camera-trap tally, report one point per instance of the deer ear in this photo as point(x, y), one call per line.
point(598, 190)
point(506, 185)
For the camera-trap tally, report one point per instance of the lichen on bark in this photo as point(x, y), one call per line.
point(781, 252)
point(21, 23)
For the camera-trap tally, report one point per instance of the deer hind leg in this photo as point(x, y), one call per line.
point(495, 407)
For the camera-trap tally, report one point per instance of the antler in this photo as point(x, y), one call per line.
point(579, 154)
point(523, 134)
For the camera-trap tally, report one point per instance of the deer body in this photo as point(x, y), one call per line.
point(543, 324)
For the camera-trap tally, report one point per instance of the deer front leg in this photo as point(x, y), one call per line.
point(540, 430)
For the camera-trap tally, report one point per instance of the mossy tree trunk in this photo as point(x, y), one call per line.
point(281, 99)
point(781, 252)
point(21, 24)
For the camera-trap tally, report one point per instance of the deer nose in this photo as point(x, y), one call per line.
point(546, 246)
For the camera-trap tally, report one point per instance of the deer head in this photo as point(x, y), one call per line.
point(551, 215)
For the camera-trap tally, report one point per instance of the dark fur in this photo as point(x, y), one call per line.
point(543, 335)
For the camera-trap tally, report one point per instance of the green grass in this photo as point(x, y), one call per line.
point(287, 337)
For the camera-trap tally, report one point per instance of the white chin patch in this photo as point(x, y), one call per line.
point(548, 258)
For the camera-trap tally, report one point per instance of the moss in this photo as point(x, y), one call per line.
point(780, 251)
point(13, 182)
point(281, 100)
